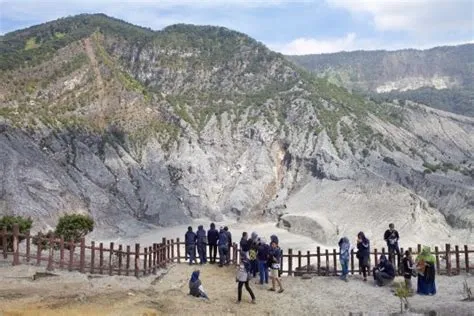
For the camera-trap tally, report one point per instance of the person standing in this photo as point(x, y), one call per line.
point(363, 253)
point(425, 265)
point(212, 238)
point(201, 244)
point(384, 272)
point(262, 257)
point(244, 246)
point(344, 253)
point(190, 239)
point(223, 246)
point(408, 270)
point(229, 244)
point(275, 260)
point(391, 237)
point(253, 248)
point(242, 278)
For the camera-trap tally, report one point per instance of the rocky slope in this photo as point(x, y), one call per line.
point(143, 128)
point(441, 77)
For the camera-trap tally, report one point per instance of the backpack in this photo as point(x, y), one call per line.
point(252, 254)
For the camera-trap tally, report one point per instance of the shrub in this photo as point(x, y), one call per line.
point(402, 292)
point(74, 226)
point(8, 222)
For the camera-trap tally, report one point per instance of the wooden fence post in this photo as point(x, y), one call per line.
point(28, 245)
point(92, 256)
point(71, 254)
point(308, 261)
point(352, 261)
point(178, 250)
point(299, 261)
point(163, 251)
point(101, 258)
point(334, 258)
point(38, 250)
point(172, 251)
point(150, 259)
point(290, 263)
point(111, 259)
point(376, 259)
point(437, 260)
point(155, 255)
point(168, 251)
point(120, 254)
point(82, 258)
point(466, 258)
point(326, 252)
point(4, 242)
point(418, 249)
point(318, 259)
point(458, 263)
point(61, 252)
point(127, 264)
point(448, 259)
point(137, 258)
point(281, 264)
point(51, 253)
point(16, 242)
point(145, 260)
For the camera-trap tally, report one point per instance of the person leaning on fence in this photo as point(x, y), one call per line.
point(363, 253)
point(223, 246)
point(408, 270)
point(212, 238)
point(201, 244)
point(274, 264)
point(229, 243)
point(242, 278)
point(392, 237)
point(253, 248)
point(384, 273)
point(195, 286)
point(344, 254)
point(190, 239)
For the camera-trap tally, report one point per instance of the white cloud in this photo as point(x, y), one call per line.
point(429, 16)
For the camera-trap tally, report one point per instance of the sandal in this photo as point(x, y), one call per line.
point(272, 289)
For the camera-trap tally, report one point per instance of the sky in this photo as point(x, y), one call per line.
point(287, 26)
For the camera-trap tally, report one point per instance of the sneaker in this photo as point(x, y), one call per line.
point(281, 291)
point(253, 302)
point(272, 289)
point(365, 280)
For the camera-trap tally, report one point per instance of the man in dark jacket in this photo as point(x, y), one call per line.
point(384, 272)
point(262, 257)
point(212, 238)
point(229, 243)
point(244, 246)
point(190, 239)
point(201, 244)
point(391, 237)
point(223, 246)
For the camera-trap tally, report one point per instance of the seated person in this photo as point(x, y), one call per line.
point(195, 287)
point(384, 272)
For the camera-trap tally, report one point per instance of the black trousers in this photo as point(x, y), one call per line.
point(212, 253)
point(247, 287)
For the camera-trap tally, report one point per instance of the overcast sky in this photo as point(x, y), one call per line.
point(290, 27)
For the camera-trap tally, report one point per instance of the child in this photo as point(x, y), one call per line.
point(408, 269)
point(242, 277)
point(195, 286)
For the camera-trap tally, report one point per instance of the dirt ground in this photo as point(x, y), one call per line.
point(166, 294)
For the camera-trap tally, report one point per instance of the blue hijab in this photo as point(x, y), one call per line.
point(195, 276)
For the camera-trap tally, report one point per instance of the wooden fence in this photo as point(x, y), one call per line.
point(449, 261)
point(112, 259)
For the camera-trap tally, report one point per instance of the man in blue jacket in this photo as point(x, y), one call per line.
point(212, 238)
point(190, 239)
point(223, 245)
point(384, 272)
point(201, 244)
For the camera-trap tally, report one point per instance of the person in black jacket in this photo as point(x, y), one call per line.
point(229, 243)
point(212, 238)
point(363, 253)
point(190, 239)
point(201, 244)
point(244, 246)
point(409, 269)
point(383, 272)
point(391, 237)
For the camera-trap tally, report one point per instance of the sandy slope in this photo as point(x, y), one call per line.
point(75, 294)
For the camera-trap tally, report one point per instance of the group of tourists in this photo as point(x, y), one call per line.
point(384, 272)
point(262, 258)
point(256, 257)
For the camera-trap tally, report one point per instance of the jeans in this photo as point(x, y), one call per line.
point(223, 254)
point(247, 287)
point(253, 267)
point(381, 278)
point(392, 250)
point(191, 252)
point(212, 253)
point(202, 253)
point(263, 271)
point(345, 268)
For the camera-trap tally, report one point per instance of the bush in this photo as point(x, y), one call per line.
point(74, 227)
point(8, 222)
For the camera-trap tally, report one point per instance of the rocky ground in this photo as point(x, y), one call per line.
point(166, 294)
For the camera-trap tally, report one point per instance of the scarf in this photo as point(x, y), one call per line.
point(426, 255)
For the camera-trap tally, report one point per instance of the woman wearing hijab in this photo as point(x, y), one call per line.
point(425, 265)
point(195, 286)
point(363, 253)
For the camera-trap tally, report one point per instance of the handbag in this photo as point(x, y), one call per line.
point(276, 266)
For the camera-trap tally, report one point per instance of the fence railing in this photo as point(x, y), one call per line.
point(136, 260)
